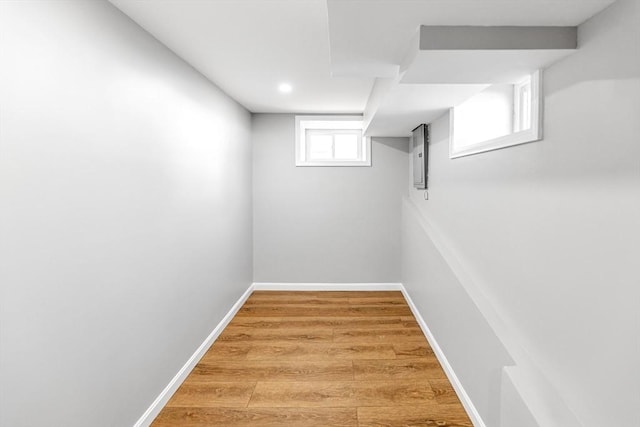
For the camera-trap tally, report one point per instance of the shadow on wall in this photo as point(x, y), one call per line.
point(472, 348)
point(606, 52)
point(400, 144)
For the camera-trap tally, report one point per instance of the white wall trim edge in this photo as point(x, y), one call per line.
point(473, 413)
point(327, 286)
point(152, 412)
point(539, 394)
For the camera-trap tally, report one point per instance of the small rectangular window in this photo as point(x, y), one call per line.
point(331, 141)
point(501, 116)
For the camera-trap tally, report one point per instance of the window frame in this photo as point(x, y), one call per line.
point(519, 106)
point(534, 133)
point(331, 125)
point(333, 133)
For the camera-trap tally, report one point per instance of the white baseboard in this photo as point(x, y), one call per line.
point(327, 286)
point(152, 412)
point(473, 413)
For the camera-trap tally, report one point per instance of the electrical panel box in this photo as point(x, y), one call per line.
point(420, 152)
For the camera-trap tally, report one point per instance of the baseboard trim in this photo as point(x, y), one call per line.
point(473, 413)
point(152, 412)
point(261, 286)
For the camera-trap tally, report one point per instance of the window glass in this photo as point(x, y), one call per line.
point(320, 147)
point(346, 146)
point(331, 141)
point(501, 116)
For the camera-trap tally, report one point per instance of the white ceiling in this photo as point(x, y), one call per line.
point(371, 36)
point(330, 51)
point(248, 47)
point(408, 105)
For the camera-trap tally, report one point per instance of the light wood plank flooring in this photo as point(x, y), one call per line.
point(326, 359)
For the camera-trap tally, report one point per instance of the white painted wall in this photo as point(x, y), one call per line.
point(549, 234)
point(125, 214)
point(471, 346)
point(325, 224)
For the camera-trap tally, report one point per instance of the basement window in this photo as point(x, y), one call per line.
point(500, 116)
point(331, 141)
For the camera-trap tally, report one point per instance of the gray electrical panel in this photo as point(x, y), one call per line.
point(420, 152)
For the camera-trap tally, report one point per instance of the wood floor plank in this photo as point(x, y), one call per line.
point(315, 299)
point(237, 334)
point(369, 335)
point(413, 416)
point(444, 392)
point(255, 322)
point(223, 350)
point(283, 310)
point(410, 321)
point(212, 394)
point(314, 359)
point(292, 322)
point(269, 370)
point(379, 300)
point(410, 350)
point(380, 370)
point(257, 417)
point(313, 351)
point(336, 394)
point(379, 310)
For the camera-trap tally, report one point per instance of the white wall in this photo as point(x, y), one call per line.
point(125, 214)
point(325, 224)
point(471, 346)
point(549, 234)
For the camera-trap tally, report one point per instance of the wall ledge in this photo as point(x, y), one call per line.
point(536, 391)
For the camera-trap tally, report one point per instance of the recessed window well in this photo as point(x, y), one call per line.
point(331, 141)
point(500, 116)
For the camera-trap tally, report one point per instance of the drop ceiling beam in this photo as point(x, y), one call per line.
point(497, 38)
point(481, 55)
point(444, 64)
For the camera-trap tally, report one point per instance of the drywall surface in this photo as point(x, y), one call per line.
point(325, 224)
point(549, 231)
point(472, 348)
point(125, 214)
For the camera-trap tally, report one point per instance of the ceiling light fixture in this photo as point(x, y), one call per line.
point(285, 88)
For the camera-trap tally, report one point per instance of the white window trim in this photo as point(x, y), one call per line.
point(534, 133)
point(330, 123)
point(518, 115)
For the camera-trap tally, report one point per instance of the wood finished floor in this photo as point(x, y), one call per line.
point(326, 359)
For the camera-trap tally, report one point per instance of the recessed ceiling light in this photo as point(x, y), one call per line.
point(285, 88)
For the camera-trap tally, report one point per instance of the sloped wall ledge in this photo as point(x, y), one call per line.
point(483, 347)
